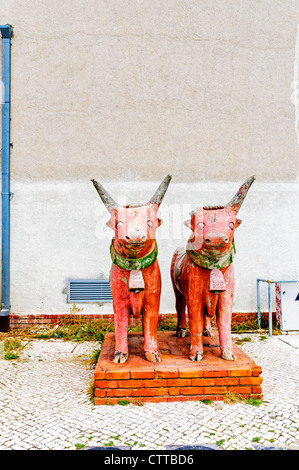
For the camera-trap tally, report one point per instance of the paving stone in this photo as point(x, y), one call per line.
point(108, 448)
point(195, 447)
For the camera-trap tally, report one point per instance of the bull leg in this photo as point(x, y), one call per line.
point(223, 318)
point(196, 319)
point(207, 327)
point(150, 318)
point(151, 349)
point(180, 306)
point(150, 323)
point(121, 321)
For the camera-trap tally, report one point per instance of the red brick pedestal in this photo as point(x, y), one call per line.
point(176, 378)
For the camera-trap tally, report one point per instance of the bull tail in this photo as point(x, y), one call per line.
point(175, 266)
point(180, 301)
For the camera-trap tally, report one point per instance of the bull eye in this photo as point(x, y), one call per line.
point(150, 223)
point(200, 225)
point(118, 225)
point(231, 225)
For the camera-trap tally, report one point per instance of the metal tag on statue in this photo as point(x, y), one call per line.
point(217, 282)
point(136, 281)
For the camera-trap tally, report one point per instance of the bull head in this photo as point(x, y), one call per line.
point(213, 227)
point(134, 225)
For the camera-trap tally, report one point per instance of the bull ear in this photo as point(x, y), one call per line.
point(157, 198)
point(188, 224)
point(238, 222)
point(238, 199)
point(110, 224)
point(109, 203)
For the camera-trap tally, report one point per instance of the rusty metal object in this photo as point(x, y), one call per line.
point(203, 274)
point(135, 278)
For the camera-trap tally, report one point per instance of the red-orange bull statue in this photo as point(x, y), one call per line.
point(203, 274)
point(135, 278)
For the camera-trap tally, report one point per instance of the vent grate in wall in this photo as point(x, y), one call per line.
point(87, 290)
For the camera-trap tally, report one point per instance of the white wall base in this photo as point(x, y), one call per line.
point(58, 232)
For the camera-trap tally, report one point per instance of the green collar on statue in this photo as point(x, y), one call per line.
point(133, 264)
point(205, 260)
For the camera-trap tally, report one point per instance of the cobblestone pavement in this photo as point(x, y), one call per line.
point(45, 404)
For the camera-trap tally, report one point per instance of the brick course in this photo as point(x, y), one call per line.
point(24, 320)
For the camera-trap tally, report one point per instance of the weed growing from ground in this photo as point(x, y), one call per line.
point(79, 446)
point(254, 401)
point(123, 402)
point(11, 348)
point(242, 340)
point(231, 398)
point(168, 323)
point(220, 442)
point(91, 391)
point(77, 329)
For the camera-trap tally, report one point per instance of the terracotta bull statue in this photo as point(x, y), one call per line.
point(135, 278)
point(203, 274)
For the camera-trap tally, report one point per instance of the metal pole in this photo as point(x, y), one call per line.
point(258, 303)
point(270, 308)
point(269, 282)
point(6, 33)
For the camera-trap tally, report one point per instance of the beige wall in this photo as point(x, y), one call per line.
point(132, 90)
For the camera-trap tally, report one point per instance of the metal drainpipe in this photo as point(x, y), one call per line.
point(6, 33)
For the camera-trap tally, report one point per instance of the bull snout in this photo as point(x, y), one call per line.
point(216, 239)
point(136, 237)
point(136, 240)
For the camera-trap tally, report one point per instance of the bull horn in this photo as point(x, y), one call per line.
point(157, 198)
point(109, 203)
point(239, 197)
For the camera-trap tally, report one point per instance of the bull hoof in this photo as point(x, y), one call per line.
point(227, 355)
point(208, 332)
point(181, 332)
point(196, 356)
point(120, 357)
point(152, 356)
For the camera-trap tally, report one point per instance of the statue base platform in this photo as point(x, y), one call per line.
point(176, 377)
